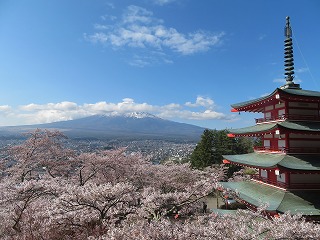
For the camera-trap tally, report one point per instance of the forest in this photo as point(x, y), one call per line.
point(51, 192)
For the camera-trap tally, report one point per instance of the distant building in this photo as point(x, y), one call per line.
point(288, 162)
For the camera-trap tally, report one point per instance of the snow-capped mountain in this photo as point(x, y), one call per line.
point(135, 125)
point(130, 115)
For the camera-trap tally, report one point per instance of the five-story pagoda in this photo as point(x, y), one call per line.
point(288, 162)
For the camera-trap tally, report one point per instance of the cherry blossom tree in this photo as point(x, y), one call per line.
point(242, 225)
point(42, 151)
point(50, 192)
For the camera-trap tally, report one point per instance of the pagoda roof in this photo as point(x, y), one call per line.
point(271, 160)
point(286, 92)
point(305, 202)
point(301, 92)
point(306, 127)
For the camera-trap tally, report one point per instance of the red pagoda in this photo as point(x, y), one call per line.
point(288, 162)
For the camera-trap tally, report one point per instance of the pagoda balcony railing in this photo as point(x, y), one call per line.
point(286, 185)
point(294, 117)
point(292, 150)
point(266, 180)
point(270, 149)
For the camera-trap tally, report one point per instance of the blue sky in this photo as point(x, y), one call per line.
point(182, 60)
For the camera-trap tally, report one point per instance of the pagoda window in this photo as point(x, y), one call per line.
point(280, 105)
point(281, 177)
point(267, 115)
point(281, 144)
point(268, 108)
point(268, 135)
point(266, 143)
point(281, 113)
point(264, 173)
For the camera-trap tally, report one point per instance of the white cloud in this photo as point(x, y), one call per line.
point(46, 116)
point(191, 115)
point(5, 108)
point(127, 105)
point(51, 112)
point(163, 2)
point(98, 37)
point(152, 58)
point(139, 29)
point(65, 106)
point(201, 101)
point(140, 61)
point(53, 106)
point(136, 14)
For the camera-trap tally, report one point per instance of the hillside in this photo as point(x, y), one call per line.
point(117, 126)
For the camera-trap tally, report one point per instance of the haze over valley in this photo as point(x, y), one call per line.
point(138, 132)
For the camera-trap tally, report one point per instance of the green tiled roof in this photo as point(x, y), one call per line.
point(254, 129)
point(301, 92)
point(297, 202)
point(242, 104)
point(269, 160)
point(301, 126)
point(298, 92)
point(260, 128)
point(301, 162)
point(256, 159)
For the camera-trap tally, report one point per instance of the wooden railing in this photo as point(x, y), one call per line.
point(270, 149)
point(266, 180)
point(294, 117)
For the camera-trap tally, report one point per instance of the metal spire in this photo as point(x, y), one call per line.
point(288, 56)
point(287, 30)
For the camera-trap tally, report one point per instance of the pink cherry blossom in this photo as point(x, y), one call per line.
point(50, 192)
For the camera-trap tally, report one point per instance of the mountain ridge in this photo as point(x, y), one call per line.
point(134, 125)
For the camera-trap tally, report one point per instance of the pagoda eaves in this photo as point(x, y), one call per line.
point(301, 127)
point(278, 95)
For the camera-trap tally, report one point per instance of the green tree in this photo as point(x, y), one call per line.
point(244, 145)
point(203, 154)
point(222, 144)
point(214, 144)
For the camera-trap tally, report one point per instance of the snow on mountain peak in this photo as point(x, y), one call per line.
point(140, 115)
point(130, 115)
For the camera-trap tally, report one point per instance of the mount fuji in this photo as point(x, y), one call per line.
point(128, 126)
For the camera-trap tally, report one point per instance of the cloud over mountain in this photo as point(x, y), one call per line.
point(202, 109)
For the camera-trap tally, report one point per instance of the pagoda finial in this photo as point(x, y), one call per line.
point(288, 56)
point(287, 30)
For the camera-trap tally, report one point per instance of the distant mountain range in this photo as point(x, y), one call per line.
point(130, 126)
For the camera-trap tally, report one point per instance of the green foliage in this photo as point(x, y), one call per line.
point(203, 154)
point(249, 171)
point(257, 142)
point(214, 144)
